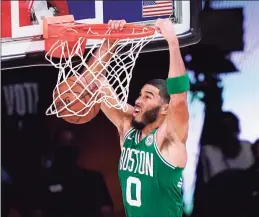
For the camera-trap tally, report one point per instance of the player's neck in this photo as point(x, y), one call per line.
point(149, 128)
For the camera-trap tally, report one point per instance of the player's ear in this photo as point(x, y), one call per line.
point(164, 109)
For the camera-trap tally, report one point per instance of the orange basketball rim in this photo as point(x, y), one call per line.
point(59, 29)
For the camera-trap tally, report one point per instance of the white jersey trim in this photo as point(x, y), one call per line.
point(137, 137)
point(127, 134)
point(160, 155)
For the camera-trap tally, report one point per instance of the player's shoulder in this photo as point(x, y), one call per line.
point(127, 127)
point(128, 134)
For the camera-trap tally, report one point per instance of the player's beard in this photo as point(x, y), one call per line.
point(149, 117)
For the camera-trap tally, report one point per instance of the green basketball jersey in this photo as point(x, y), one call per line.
point(151, 187)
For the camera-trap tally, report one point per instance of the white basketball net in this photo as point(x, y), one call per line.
point(116, 81)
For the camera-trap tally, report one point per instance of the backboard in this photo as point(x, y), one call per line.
point(22, 20)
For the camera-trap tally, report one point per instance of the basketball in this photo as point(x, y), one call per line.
point(71, 95)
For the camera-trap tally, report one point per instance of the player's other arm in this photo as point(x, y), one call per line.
point(175, 126)
point(118, 117)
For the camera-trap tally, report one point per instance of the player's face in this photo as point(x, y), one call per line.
point(147, 106)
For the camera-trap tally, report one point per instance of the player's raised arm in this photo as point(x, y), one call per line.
point(175, 126)
point(118, 117)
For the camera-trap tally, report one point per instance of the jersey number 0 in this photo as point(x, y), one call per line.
point(133, 181)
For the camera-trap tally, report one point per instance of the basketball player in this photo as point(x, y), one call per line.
point(153, 134)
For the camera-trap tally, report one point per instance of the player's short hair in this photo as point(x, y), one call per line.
point(161, 85)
